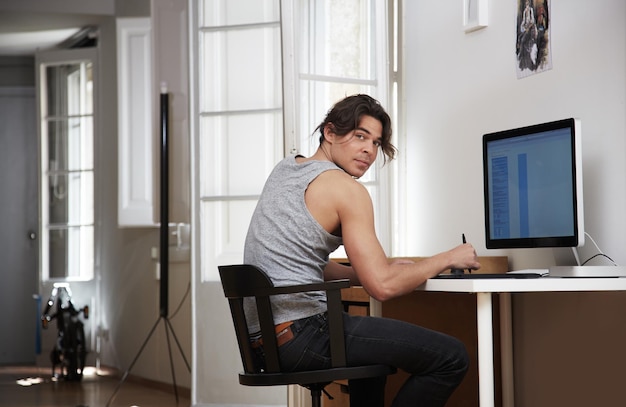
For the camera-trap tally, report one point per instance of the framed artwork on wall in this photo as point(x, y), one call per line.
point(475, 14)
point(533, 46)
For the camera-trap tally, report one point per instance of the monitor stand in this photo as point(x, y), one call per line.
point(587, 271)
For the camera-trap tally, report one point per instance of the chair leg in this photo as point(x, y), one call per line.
point(316, 393)
point(316, 397)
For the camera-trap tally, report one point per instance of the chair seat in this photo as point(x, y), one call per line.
point(314, 376)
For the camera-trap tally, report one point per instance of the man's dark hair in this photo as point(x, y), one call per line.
point(346, 114)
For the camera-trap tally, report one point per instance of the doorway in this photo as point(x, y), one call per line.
point(19, 220)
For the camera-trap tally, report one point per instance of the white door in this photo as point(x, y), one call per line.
point(19, 248)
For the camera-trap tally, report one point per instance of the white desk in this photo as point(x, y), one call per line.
point(483, 288)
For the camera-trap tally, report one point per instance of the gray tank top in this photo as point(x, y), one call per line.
point(286, 241)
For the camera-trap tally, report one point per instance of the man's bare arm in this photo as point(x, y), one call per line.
point(337, 271)
point(380, 278)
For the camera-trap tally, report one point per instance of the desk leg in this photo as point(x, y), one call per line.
point(484, 315)
point(506, 350)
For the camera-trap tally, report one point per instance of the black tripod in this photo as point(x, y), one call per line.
point(164, 252)
point(168, 329)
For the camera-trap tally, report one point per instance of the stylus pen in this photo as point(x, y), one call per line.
point(465, 241)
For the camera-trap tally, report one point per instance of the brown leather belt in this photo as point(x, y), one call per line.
point(284, 334)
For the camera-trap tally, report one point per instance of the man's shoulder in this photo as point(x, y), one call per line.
point(341, 187)
point(339, 178)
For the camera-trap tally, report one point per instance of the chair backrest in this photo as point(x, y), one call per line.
point(243, 281)
point(239, 282)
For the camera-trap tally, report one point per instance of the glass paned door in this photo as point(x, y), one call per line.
point(66, 103)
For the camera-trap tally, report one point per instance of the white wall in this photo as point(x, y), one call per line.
point(129, 293)
point(460, 86)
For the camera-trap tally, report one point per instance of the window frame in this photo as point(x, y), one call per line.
point(381, 181)
point(85, 269)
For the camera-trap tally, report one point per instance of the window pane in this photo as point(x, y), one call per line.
point(70, 144)
point(340, 39)
point(240, 70)
point(57, 261)
point(71, 253)
point(71, 198)
point(224, 226)
point(234, 12)
point(231, 143)
point(69, 89)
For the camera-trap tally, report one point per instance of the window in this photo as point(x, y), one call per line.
point(338, 48)
point(66, 95)
point(249, 56)
point(239, 120)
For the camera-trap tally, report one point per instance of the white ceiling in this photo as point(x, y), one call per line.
point(26, 43)
point(24, 33)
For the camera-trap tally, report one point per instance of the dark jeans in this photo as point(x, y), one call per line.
point(436, 362)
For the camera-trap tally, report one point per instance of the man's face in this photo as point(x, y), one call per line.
point(356, 151)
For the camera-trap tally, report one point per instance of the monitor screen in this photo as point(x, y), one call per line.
point(533, 186)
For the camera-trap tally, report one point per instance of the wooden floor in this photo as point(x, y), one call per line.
point(34, 386)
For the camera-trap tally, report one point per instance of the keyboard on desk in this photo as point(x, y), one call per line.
point(467, 276)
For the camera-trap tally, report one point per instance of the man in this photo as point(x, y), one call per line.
point(310, 206)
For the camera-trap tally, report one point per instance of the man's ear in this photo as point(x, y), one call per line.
point(329, 133)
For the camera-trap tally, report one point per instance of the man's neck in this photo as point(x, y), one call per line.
point(319, 155)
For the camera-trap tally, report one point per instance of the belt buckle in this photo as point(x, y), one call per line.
point(284, 334)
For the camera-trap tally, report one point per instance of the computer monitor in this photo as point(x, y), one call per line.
point(533, 186)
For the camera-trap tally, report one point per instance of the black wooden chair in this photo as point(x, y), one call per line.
point(240, 281)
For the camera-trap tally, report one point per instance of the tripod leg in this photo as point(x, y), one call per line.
point(169, 351)
point(133, 363)
point(180, 348)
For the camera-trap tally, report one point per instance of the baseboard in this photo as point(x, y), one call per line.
point(154, 384)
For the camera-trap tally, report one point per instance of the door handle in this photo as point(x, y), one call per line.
point(32, 235)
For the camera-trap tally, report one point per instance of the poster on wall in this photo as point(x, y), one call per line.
point(533, 37)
